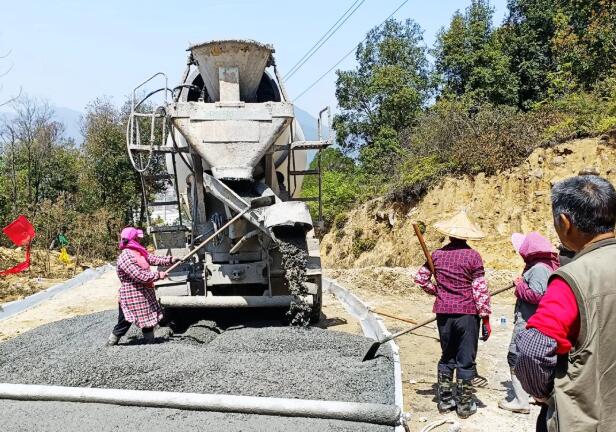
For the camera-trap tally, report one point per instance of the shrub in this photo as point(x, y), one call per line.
point(580, 114)
point(340, 220)
point(361, 245)
point(341, 185)
point(415, 176)
point(455, 135)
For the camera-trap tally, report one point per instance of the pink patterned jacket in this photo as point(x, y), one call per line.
point(460, 287)
point(137, 296)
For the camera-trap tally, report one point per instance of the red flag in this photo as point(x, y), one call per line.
point(20, 232)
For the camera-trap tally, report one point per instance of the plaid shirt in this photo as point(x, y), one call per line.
point(536, 362)
point(461, 287)
point(137, 295)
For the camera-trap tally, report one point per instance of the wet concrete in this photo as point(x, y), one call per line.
point(211, 356)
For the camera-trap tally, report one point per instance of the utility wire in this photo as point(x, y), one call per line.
point(326, 36)
point(347, 54)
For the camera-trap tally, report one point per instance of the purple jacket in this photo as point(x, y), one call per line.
point(457, 267)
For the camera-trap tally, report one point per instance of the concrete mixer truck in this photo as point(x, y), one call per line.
point(225, 136)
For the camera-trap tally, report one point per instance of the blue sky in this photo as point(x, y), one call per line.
point(70, 52)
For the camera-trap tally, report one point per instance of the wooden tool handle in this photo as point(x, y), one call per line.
point(428, 321)
point(396, 317)
point(206, 241)
point(424, 248)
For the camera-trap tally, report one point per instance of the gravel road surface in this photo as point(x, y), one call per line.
point(253, 359)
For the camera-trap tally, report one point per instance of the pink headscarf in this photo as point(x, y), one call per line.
point(534, 248)
point(128, 240)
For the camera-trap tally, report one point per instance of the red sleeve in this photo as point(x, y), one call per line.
point(558, 315)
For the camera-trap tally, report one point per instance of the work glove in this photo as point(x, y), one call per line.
point(486, 330)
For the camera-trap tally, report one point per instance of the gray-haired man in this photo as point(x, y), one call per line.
point(567, 355)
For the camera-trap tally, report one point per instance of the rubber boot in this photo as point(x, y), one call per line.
point(446, 401)
point(465, 401)
point(519, 403)
point(148, 335)
point(113, 340)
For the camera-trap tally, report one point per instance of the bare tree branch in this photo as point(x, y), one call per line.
point(6, 72)
point(12, 99)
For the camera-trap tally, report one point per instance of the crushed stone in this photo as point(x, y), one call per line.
point(248, 359)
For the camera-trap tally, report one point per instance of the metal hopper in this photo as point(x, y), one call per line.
point(229, 133)
point(217, 58)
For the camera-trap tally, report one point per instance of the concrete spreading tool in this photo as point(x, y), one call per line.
point(424, 248)
point(255, 203)
point(390, 315)
point(370, 354)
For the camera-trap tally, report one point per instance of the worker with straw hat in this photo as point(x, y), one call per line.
point(462, 299)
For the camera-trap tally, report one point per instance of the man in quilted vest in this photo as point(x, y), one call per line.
point(567, 356)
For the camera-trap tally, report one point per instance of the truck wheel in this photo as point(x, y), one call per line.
point(317, 305)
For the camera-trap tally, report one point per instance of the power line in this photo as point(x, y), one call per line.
point(322, 37)
point(347, 54)
point(326, 36)
point(299, 63)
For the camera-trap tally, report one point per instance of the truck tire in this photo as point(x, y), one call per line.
point(317, 305)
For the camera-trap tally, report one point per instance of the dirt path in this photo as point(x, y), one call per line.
point(420, 353)
point(94, 296)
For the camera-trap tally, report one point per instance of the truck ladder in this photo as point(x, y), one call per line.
point(293, 173)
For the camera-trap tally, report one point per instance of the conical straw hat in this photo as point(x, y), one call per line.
point(460, 227)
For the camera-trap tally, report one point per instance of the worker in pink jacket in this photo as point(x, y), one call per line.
point(540, 261)
point(138, 304)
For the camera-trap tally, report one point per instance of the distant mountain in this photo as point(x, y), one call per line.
point(71, 120)
point(307, 122)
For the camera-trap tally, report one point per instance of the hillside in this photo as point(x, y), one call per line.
point(379, 233)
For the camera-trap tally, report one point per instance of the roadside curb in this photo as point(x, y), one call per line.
point(372, 327)
point(15, 307)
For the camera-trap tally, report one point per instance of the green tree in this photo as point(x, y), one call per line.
point(584, 44)
point(37, 161)
point(107, 177)
point(387, 90)
point(470, 59)
point(527, 36)
point(341, 184)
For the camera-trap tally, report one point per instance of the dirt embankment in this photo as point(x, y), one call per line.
point(379, 233)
